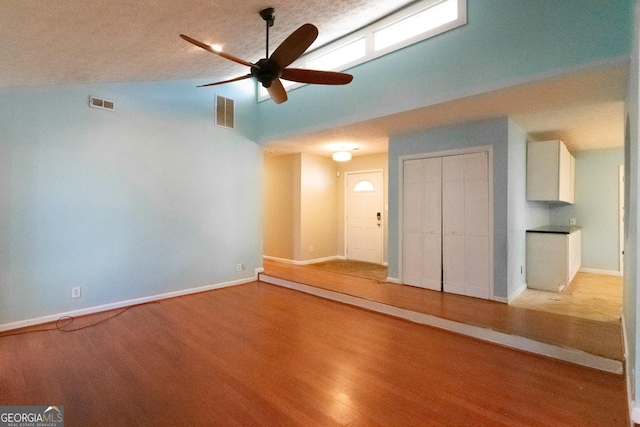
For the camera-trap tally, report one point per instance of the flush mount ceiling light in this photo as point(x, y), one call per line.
point(342, 156)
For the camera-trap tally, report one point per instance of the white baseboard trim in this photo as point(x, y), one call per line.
point(517, 293)
point(307, 262)
point(598, 271)
point(394, 280)
point(121, 304)
point(485, 334)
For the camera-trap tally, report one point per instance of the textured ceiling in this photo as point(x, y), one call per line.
point(70, 41)
point(73, 41)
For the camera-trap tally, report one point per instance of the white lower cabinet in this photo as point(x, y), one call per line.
point(446, 224)
point(553, 257)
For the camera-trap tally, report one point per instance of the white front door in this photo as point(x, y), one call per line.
point(364, 216)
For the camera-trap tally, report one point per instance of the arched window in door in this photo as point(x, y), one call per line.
point(363, 185)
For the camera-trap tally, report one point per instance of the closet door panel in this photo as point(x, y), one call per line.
point(412, 259)
point(432, 262)
point(476, 195)
point(476, 200)
point(432, 224)
point(453, 224)
point(453, 195)
point(453, 264)
point(412, 219)
point(412, 246)
point(477, 266)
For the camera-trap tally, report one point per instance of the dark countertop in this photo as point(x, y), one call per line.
point(557, 229)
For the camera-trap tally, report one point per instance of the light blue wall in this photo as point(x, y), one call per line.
point(522, 214)
point(147, 199)
point(595, 208)
point(505, 42)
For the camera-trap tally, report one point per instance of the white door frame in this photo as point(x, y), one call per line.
point(621, 218)
point(484, 148)
point(346, 210)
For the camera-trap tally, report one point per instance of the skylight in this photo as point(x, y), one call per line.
point(405, 27)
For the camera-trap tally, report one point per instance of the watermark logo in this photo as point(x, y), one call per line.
point(31, 416)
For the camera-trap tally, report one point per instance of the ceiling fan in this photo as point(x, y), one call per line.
point(271, 69)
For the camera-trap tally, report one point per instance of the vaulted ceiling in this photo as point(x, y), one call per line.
point(74, 41)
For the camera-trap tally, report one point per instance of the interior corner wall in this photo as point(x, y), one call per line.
point(519, 217)
point(489, 132)
point(149, 199)
point(318, 208)
point(300, 208)
point(280, 206)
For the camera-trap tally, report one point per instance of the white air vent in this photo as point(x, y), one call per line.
point(101, 103)
point(225, 112)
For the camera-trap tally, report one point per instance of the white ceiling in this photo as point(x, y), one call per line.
point(74, 41)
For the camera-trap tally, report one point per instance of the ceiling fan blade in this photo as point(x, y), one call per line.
point(217, 52)
point(248, 76)
point(302, 75)
point(277, 92)
point(294, 46)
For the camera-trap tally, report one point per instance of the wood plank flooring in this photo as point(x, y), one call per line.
point(594, 337)
point(261, 355)
point(589, 296)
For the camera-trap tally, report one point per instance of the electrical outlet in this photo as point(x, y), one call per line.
point(311, 248)
point(76, 292)
point(239, 267)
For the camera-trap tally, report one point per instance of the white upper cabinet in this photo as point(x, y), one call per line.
point(550, 172)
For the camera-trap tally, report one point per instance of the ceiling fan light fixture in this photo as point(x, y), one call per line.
point(342, 156)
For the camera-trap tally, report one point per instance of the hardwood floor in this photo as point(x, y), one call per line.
point(262, 355)
point(593, 337)
point(589, 296)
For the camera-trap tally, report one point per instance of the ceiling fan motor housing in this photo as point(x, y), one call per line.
point(266, 72)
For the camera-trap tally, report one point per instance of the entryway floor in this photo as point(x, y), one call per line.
point(603, 339)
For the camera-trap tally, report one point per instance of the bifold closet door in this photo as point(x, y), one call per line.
point(445, 242)
point(465, 219)
point(422, 219)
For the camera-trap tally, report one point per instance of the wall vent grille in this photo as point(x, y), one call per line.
point(103, 104)
point(225, 112)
